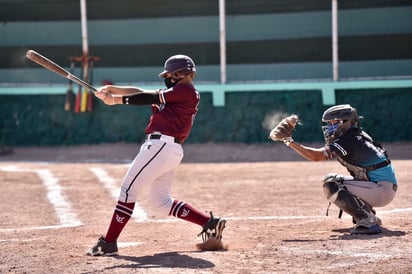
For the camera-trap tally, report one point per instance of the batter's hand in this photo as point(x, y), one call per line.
point(107, 97)
point(284, 130)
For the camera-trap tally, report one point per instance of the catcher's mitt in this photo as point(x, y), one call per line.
point(284, 130)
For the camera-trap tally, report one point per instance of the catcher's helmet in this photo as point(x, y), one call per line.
point(179, 65)
point(338, 119)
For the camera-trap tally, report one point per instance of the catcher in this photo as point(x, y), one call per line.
point(372, 181)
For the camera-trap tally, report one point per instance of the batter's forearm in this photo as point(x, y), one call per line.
point(123, 90)
point(115, 95)
point(130, 95)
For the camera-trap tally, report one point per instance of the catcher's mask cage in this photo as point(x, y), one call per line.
point(179, 65)
point(338, 119)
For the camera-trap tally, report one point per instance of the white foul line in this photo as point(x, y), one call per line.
point(30, 228)
point(55, 196)
point(244, 218)
point(110, 184)
point(69, 219)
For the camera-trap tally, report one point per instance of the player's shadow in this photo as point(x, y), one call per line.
point(344, 234)
point(159, 260)
point(385, 233)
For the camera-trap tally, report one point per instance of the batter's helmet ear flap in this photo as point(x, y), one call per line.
point(177, 75)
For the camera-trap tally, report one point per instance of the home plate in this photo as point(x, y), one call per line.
point(126, 244)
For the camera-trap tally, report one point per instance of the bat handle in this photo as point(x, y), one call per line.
point(81, 82)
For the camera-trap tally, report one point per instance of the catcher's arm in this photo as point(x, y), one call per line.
point(284, 131)
point(310, 153)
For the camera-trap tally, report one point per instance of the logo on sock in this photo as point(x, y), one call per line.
point(119, 219)
point(185, 212)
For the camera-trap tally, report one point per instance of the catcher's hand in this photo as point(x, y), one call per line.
point(284, 130)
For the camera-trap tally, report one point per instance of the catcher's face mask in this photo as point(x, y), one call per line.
point(330, 130)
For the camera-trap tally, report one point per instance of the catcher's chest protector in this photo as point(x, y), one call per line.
point(358, 172)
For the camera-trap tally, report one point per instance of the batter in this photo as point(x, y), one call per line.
point(174, 109)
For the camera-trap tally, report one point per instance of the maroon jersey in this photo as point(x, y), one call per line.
point(176, 113)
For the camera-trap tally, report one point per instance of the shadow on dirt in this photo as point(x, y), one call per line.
point(160, 260)
point(302, 240)
point(345, 235)
point(385, 233)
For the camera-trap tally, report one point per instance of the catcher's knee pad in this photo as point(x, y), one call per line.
point(331, 189)
point(331, 177)
point(334, 177)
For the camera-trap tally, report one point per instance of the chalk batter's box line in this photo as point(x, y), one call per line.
point(70, 220)
point(171, 220)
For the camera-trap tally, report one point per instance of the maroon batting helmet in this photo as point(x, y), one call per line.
point(180, 64)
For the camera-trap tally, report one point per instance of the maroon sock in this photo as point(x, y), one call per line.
point(188, 213)
point(121, 216)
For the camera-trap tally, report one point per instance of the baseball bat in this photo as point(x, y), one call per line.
point(53, 67)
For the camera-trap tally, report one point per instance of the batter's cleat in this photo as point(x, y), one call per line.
point(103, 248)
point(213, 228)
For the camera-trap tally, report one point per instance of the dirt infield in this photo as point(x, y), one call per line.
point(56, 205)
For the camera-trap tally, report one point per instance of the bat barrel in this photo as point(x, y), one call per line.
point(52, 66)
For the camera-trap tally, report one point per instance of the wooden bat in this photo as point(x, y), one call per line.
point(53, 67)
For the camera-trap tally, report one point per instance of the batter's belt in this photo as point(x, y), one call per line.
point(163, 137)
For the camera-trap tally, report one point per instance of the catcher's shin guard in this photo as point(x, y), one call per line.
point(338, 194)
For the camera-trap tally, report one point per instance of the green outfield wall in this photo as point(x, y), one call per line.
point(36, 116)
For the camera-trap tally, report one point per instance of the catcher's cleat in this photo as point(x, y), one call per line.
point(103, 248)
point(373, 211)
point(367, 225)
point(370, 209)
point(213, 228)
point(378, 220)
point(374, 229)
